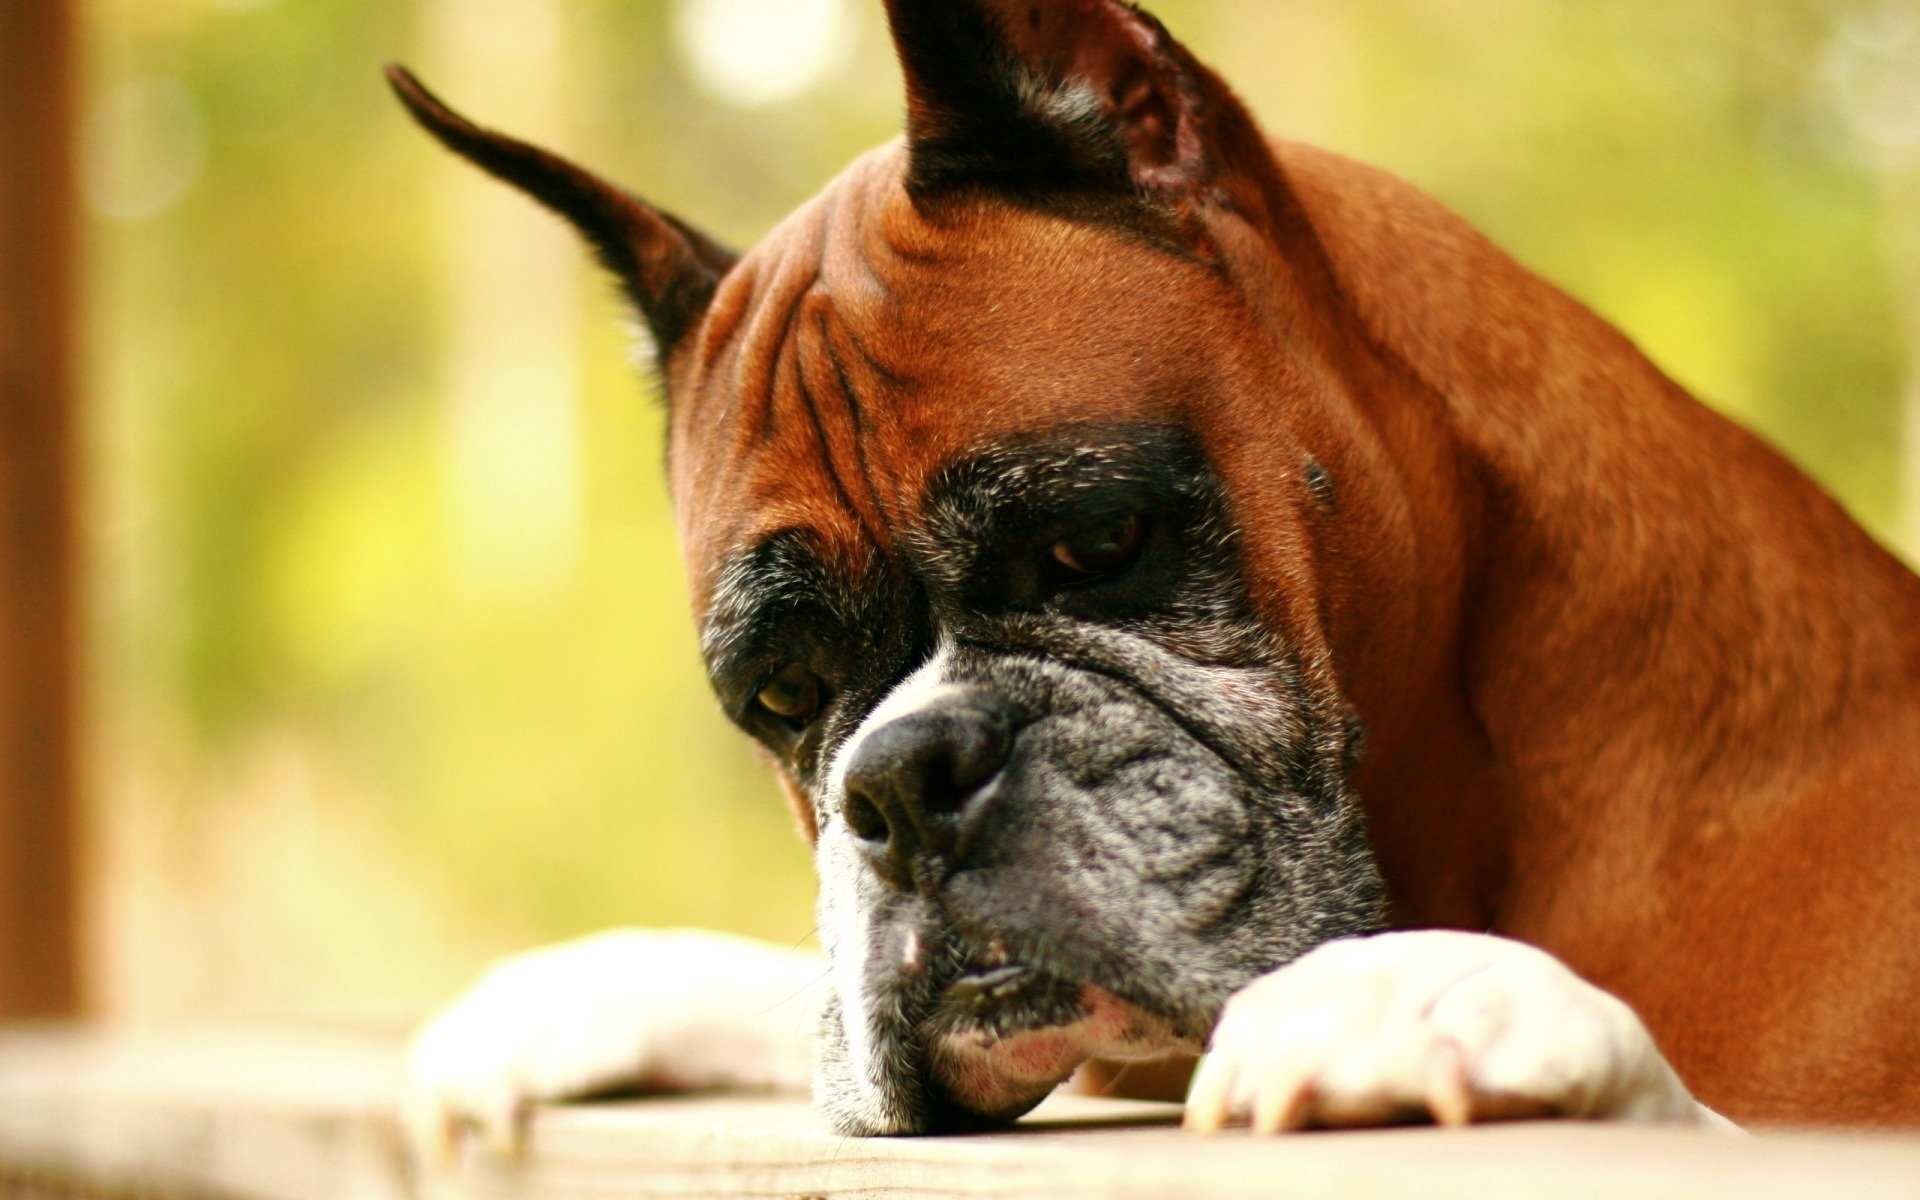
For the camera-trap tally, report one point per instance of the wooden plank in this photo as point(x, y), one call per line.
point(266, 1114)
point(241, 1112)
point(38, 942)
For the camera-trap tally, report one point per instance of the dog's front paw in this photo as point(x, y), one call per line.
point(1458, 1027)
point(652, 1010)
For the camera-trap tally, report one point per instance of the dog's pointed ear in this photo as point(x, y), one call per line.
point(669, 269)
point(1033, 95)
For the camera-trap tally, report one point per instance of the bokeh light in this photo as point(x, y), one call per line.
point(144, 147)
point(753, 53)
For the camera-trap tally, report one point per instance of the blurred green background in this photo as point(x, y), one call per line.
point(392, 668)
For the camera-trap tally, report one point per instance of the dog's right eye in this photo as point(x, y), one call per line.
point(792, 695)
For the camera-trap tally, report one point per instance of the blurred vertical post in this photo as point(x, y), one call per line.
point(38, 924)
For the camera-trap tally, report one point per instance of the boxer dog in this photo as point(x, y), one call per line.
point(1199, 595)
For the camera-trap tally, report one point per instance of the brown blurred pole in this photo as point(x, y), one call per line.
point(39, 973)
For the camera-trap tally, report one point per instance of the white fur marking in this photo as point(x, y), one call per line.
point(843, 919)
point(1465, 1026)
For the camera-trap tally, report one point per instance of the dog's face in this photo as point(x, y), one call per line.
point(967, 567)
point(1001, 549)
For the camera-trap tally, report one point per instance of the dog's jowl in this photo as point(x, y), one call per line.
point(1182, 580)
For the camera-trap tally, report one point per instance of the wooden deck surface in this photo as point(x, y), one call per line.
point(272, 1113)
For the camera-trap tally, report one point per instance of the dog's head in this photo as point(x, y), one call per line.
point(993, 475)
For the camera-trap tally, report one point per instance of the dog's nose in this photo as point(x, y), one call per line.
point(916, 786)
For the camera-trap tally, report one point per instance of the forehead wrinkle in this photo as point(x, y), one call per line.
point(842, 383)
point(820, 376)
point(774, 306)
point(889, 227)
point(811, 477)
point(744, 423)
point(884, 281)
point(855, 252)
point(833, 428)
point(889, 267)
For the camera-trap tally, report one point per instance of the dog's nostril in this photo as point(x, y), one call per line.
point(865, 819)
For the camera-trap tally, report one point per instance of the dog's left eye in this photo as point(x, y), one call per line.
point(793, 695)
point(1101, 549)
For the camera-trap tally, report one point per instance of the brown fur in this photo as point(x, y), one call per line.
point(1634, 689)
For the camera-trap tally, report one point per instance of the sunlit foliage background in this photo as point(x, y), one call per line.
point(392, 668)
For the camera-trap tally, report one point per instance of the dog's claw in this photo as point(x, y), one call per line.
point(1448, 1097)
point(443, 1125)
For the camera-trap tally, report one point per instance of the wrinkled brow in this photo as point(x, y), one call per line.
point(759, 591)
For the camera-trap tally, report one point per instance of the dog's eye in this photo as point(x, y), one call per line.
point(1102, 549)
point(793, 694)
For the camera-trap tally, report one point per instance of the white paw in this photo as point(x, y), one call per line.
point(653, 1010)
point(1458, 1027)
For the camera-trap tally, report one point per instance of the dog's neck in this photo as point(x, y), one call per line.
point(1669, 622)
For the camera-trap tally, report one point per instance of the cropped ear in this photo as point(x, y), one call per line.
point(1037, 95)
point(669, 269)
